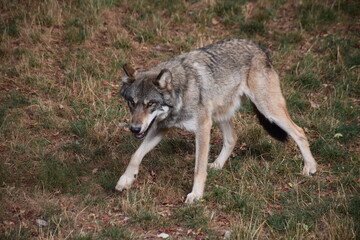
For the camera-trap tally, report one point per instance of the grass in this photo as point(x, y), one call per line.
point(63, 145)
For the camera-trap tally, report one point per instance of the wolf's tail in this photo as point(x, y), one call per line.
point(274, 130)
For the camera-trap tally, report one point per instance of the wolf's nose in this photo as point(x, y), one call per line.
point(135, 129)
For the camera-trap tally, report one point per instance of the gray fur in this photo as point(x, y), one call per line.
point(221, 62)
point(193, 89)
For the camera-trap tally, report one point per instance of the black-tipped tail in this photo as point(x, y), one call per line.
point(274, 130)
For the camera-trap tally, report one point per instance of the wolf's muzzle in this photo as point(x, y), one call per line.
point(135, 129)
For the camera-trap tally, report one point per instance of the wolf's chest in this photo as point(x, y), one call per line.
point(189, 125)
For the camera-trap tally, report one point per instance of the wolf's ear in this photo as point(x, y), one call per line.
point(163, 80)
point(130, 74)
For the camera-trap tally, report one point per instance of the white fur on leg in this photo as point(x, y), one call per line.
point(309, 168)
point(229, 140)
point(198, 188)
point(151, 140)
point(201, 160)
point(215, 165)
point(125, 182)
point(193, 196)
point(309, 161)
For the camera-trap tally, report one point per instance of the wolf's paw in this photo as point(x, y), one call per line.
point(191, 197)
point(215, 166)
point(309, 169)
point(124, 182)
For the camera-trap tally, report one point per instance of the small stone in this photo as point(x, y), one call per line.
point(41, 223)
point(163, 235)
point(227, 234)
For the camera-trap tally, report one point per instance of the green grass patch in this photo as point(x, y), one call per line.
point(232, 201)
point(230, 11)
point(13, 100)
point(329, 152)
point(81, 127)
point(297, 102)
point(3, 175)
point(145, 36)
point(55, 175)
point(313, 14)
point(123, 43)
point(146, 9)
point(22, 234)
point(354, 211)
point(146, 219)
point(194, 216)
point(88, 236)
point(252, 27)
point(51, 210)
point(108, 180)
point(351, 8)
point(353, 59)
point(278, 222)
point(114, 233)
point(349, 132)
point(291, 38)
point(76, 31)
point(10, 27)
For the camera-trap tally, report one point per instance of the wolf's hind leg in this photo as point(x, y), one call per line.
point(299, 137)
point(270, 102)
point(151, 140)
point(229, 141)
point(279, 115)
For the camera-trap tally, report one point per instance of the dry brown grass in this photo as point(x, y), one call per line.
point(62, 148)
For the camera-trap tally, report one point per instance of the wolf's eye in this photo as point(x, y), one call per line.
point(150, 104)
point(131, 102)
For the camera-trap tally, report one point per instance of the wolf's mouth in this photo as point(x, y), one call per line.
point(142, 135)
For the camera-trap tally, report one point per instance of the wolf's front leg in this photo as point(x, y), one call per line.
point(202, 153)
point(153, 137)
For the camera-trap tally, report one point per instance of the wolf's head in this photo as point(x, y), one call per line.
point(148, 96)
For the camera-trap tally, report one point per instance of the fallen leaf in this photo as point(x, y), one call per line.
point(314, 104)
point(338, 135)
point(105, 218)
point(214, 21)
point(243, 146)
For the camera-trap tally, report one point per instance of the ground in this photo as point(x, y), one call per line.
point(64, 141)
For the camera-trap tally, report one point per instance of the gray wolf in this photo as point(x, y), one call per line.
point(195, 89)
